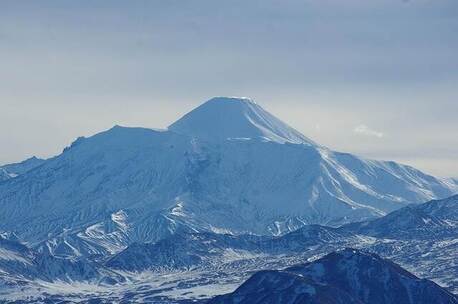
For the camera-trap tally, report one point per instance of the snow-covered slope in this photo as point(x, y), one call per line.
point(85, 189)
point(20, 265)
point(13, 170)
point(348, 276)
point(4, 175)
point(434, 219)
point(228, 166)
point(22, 167)
point(187, 250)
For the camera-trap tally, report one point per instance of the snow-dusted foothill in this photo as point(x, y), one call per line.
point(348, 276)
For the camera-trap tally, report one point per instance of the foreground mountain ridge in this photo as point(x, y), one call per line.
point(347, 276)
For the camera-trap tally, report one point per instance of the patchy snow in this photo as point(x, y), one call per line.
point(10, 255)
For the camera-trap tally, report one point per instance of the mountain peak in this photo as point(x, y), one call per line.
point(236, 118)
point(230, 99)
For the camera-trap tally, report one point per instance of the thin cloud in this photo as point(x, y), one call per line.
point(366, 131)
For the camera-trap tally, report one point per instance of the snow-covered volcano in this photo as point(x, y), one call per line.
point(226, 118)
point(227, 166)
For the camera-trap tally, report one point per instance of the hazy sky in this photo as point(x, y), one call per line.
point(378, 78)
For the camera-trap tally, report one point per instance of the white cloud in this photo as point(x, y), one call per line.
point(365, 130)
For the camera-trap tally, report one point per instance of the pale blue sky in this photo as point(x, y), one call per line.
point(377, 78)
